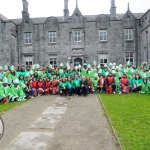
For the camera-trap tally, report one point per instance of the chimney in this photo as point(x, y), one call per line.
point(66, 10)
point(25, 9)
point(113, 8)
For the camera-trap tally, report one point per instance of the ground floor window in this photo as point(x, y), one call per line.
point(28, 60)
point(53, 60)
point(129, 57)
point(103, 59)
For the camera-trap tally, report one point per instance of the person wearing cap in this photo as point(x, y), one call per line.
point(124, 85)
point(95, 83)
point(110, 82)
point(144, 87)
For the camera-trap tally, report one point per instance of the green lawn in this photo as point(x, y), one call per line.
point(130, 117)
point(10, 105)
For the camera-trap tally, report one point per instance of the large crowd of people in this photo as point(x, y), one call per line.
point(30, 81)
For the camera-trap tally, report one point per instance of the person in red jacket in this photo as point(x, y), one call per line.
point(110, 84)
point(124, 84)
point(54, 86)
point(47, 85)
point(32, 87)
point(100, 84)
point(40, 86)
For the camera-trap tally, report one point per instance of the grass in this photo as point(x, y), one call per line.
point(10, 105)
point(129, 115)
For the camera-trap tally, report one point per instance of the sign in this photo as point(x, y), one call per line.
point(1, 127)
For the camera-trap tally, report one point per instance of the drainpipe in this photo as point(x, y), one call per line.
point(18, 47)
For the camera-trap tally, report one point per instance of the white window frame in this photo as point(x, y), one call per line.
point(28, 60)
point(52, 37)
point(102, 35)
point(129, 57)
point(103, 57)
point(28, 38)
point(53, 59)
point(77, 35)
point(128, 34)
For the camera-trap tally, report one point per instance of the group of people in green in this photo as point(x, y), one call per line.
point(30, 81)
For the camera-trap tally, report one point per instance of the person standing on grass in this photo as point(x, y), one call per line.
point(144, 87)
point(110, 82)
point(137, 83)
point(124, 84)
point(84, 85)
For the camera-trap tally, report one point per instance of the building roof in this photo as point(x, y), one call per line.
point(62, 19)
point(3, 17)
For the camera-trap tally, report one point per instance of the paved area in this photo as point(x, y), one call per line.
point(1, 128)
point(58, 123)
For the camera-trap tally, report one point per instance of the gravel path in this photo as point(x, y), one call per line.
point(83, 126)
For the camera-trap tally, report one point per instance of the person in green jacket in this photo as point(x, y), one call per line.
point(76, 83)
point(137, 83)
point(95, 83)
point(63, 87)
point(144, 87)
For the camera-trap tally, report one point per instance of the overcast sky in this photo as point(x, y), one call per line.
point(45, 8)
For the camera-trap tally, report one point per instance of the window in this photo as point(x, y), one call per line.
point(53, 60)
point(77, 36)
point(28, 60)
point(103, 58)
point(28, 38)
point(52, 37)
point(103, 35)
point(129, 57)
point(128, 34)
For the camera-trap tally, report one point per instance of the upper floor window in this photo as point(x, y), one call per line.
point(103, 35)
point(52, 37)
point(77, 36)
point(128, 34)
point(28, 38)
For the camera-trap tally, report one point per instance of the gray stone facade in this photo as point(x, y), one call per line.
point(115, 48)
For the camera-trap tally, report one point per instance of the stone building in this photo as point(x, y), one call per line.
point(75, 38)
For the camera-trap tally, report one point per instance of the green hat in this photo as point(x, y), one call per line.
point(98, 66)
point(100, 71)
point(94, 62)
point(105, 65)
point(5, 67)
point(88, 66)
point(76, 67)
point(117, 67)
point(144, 75)
point(113, 72)
point(1, 68)
point(114, 64)
point(110, 64)
point(12, 68)
point(106, 73)
point(9, 80)
point(113, 67)
point(96, 75)
point(79, 66)
point(128, 62)
point(68, 67)
point(67, 64)
point(16, 81)
point(85, 64)
point(61, 64)
point(1, 76)
point(31, 72)
point(5, 80)
point(33, 67)
point(37, 66)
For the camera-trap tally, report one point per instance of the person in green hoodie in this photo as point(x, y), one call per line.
point(63, 87)
point(137, 83)
point(76, 83)
point(144, 87)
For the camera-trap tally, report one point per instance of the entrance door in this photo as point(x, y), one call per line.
point(77, 61)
